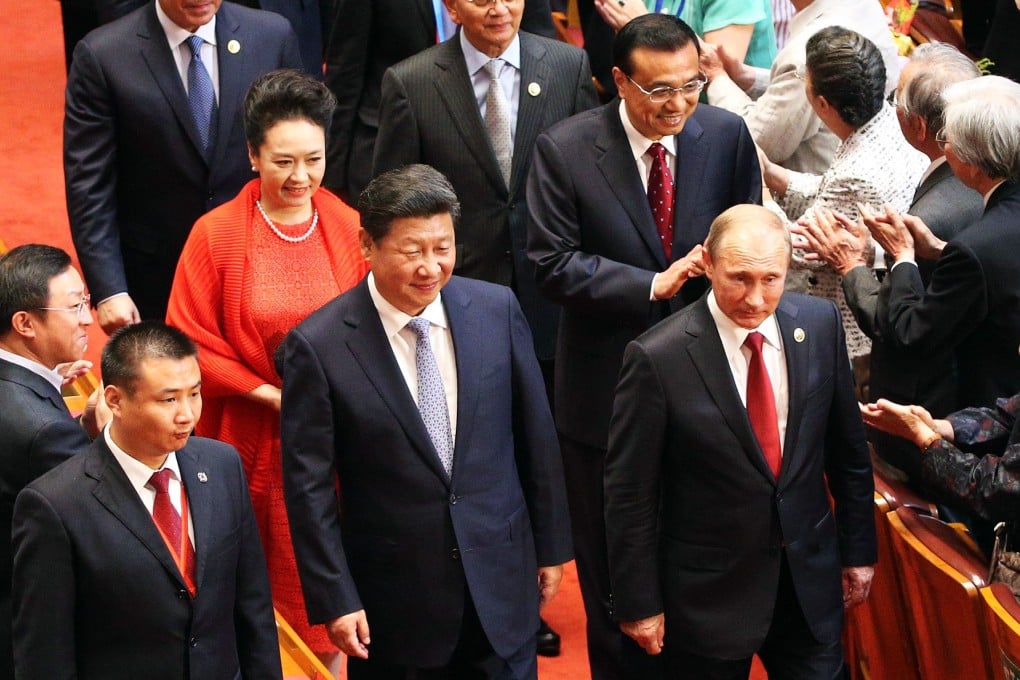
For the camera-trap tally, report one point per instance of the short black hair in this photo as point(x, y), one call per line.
point(658, 32)
point(285, 94)
point(411, 191)
point(847, 69)
point(129, 346)
point(25, 275)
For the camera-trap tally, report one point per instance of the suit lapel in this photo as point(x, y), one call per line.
point(709, 358)
point(32, 381)
point(530, 108)
point(160, 62)
point(233, 83)
point(454, 86)
point(468, 342)
point(797, 356)
point(931, 181)
point(371, 349)
point(200, 506)
point(616, 163)
point(115, 493)
point(691, 159)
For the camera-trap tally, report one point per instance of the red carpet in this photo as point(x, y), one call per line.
point(31, 112)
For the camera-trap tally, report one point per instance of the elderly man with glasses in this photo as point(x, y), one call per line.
point(620, 199)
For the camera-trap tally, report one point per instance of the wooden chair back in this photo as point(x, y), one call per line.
point(1002, 618)
point(298, 660)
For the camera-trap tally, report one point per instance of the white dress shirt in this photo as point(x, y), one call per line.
point(639, 148)
point(138, 474)
point(739, 359)
point(509, 78)
point(47, 374)
point(175, 37)
point(403, 342)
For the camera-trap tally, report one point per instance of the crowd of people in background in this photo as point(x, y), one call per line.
point(410, 303)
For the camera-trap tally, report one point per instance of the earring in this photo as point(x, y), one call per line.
point(253, 169)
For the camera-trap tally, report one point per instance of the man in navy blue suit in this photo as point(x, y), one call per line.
point(106, 585)
point(601, 253)
point(417, 394)
point(138, 167)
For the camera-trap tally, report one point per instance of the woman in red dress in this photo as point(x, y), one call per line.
point(251, 270)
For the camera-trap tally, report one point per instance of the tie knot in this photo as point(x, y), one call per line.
point(420, 326)
point(494, 67)
point(195, 43)
point(160, 480)
point(754, 341)
point(657, 151)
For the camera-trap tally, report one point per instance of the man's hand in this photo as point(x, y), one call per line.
point(669, 282)
point(899, 420)
point(834, 238)
point(890, 231)
point(267, 395)
point(117, 312)
point(711, 61)
point(649, 633)
point(72, 370)
point(856, 585)
point(350, 634)
point(617, 13)
point(96, 414)
point(927, 245)
point(549, 579)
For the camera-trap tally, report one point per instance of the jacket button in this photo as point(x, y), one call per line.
point(453, 499)
point(455, 554)
point(193, 642)
point(181, 594)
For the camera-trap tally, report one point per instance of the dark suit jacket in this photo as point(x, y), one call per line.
point(367, 38)
point(695, 521)
point(972, 303)
point(136, 179)
point(429, 114)
point(39, 434)
point(407, 538)
point(96, 591)
point(596, 249)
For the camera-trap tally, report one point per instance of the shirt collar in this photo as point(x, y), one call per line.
point(176, 35)
point(992, 191)
point(47, 374)
point(138, 473)
point(733, 336)
point(638, 142)
point(935, 165)
point(394, 320)
point(476, 60)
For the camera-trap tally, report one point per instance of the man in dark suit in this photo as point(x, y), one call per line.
point(732, 421)
point(616, 267)
point(437, 109)
point(139, 169)
point(946, 206)
point(972, 303)
point(366, 39)
point(140, 558)
point(419, 394)
point(44, 315)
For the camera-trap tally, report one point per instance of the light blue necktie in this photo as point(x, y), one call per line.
point(201, 95)
point(431, 396)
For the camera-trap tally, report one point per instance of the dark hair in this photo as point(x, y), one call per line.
point(25, 275)
point(847, 69)
point(658, 32)
point(285, 94)
point(411, 191)
point(129, 346)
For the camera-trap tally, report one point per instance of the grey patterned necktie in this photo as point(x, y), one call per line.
point(497, 119)
point(431, 396)
point(201, 95)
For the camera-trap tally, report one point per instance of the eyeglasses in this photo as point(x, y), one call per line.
point(896, 102)
point(661, 95)
point(801, 72)
point(941, 140)
point(81, 309)
point(492, 3)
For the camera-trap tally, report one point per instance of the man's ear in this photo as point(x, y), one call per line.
point(24, 324)
point(114, 397)
point(367, 244)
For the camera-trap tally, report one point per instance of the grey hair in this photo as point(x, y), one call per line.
point(939, 66)
point(983, 124)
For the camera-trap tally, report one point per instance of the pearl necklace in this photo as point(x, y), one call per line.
point(285, 237)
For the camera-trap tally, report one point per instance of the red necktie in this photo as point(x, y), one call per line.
point(170, 527)
point(660, 197)
point(761, 404)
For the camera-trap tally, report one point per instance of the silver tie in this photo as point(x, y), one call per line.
point(497, 119)
point(431, 396)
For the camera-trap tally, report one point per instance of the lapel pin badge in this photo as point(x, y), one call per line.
point(798, 334)
point(202, 477)
point(233, 47)
point(534, 89)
